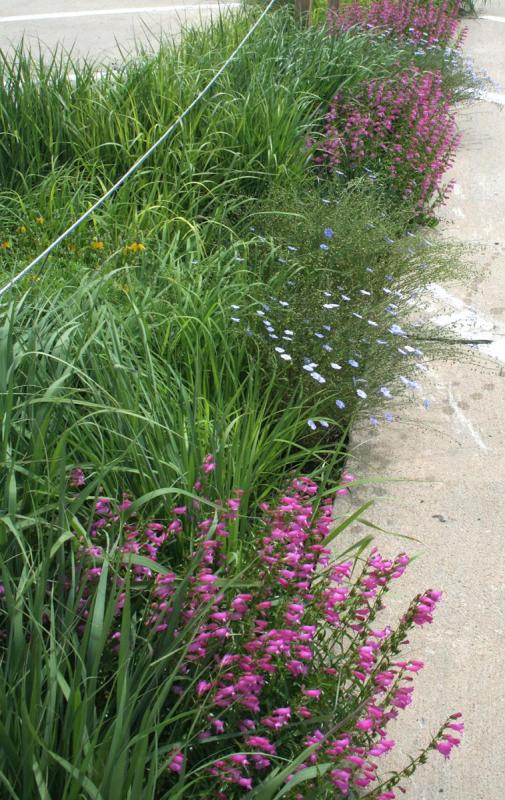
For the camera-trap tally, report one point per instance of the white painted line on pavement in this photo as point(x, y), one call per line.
point(109, 11)
point(468, 324)
point(491, 18)
point(465, 422)
point(492, 97)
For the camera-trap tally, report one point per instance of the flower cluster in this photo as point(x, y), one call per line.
point(264, 657)
point(427, 24)
point(333, 337)
point(402, 127)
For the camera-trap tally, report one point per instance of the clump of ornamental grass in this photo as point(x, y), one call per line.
point(165, 678)
point(428, 23)
point(231, 147)
point(336, 312)
point(136, 374)
point(401, 129)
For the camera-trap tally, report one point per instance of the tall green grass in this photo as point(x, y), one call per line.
point(61, 122)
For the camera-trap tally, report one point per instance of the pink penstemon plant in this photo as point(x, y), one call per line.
point(402, 127)
point(289, 661)
point(427, 24)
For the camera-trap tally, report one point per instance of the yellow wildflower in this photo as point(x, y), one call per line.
point(39, 220)
point(5, 245)
point(97, 245)
point(135, 247)
point(21, 229)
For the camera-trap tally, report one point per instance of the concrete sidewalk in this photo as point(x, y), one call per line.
point(99, 28)
point(453, 456)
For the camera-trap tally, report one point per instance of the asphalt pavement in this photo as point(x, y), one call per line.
point(98, 28)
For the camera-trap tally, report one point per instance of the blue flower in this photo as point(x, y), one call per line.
point(324, 247)
point(328, 232)
point(388, 416)
point(340, 403)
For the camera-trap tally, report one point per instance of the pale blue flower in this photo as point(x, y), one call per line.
point(340, 403)
point(324, 247)
point(328, 232)
point(312, 425)
point(388, 416)
point(361, 394)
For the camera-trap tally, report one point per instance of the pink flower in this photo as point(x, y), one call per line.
point(77, 478)
point(364, 725)
point(260, 743)
point(313, 694)
point(177, 762)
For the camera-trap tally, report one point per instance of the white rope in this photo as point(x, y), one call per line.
point(136, 165)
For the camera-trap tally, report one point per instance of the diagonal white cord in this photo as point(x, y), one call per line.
point(13, 281)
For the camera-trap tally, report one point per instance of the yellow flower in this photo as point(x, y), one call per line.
point(135, 247)
point(5, 246)
point(39, 220)
point(97, 245)
point(21, 229)
point(72, 248)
